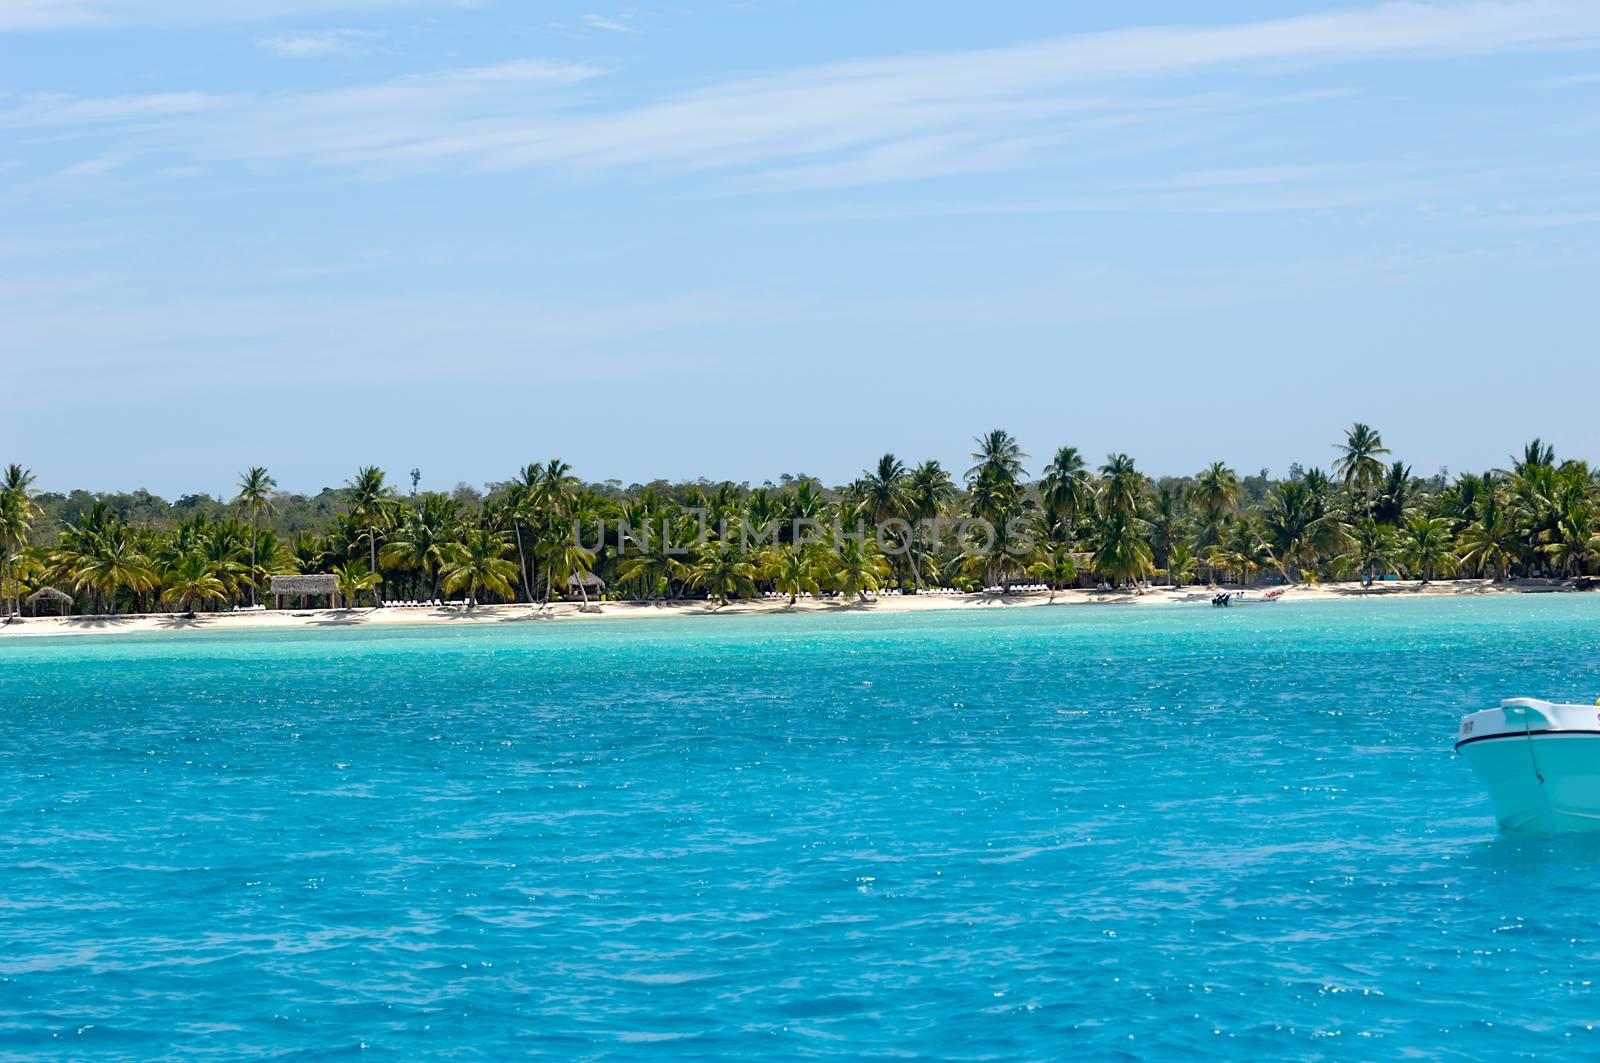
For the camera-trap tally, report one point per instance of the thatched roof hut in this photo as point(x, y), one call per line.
point(586, 584)
point(49, 594)
point(304, 585)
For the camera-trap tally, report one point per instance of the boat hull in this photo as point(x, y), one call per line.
point(1540, 783)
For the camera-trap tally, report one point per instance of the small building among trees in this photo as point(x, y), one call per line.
point(304, 587)
point(49, 594)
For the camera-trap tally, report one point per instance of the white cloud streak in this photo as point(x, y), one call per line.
point(320, 44)
point(37, 15)
point(610, 25)
point(832, 125)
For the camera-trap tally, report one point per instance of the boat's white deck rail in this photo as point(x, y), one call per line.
point(1528, 716)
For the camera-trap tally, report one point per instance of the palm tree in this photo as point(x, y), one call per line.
point(998, 456)
point(1066, 490)
point(654, 562)
point(113, 564)
point(17, 511)
point(1180, 565)
point(794, 570)
point(724, 572)
point(1486, 543)
point(192, 579)
point(369, 508)
point(1426, 546)
point(884, 496)
point(523, 501)
point(1243, 552)
point(1057, 569)
point(1300, 527)
point(1216, 492)
point(1121, 485)
point(930, 491)
point(423, 539)
point(1393, 504)
point(1575, 538)
point(1119, 553)
point(478, 563)
point(859, 568)
point(352, 580)
point(1358, 462)
point(223, 552)
point(1167, 524)
point(1374, 549)
point(1535, 455)
point(255, 495)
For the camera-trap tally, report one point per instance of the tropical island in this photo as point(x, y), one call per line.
point(915, 534)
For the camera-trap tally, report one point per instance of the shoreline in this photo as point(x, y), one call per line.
point(1198, 595)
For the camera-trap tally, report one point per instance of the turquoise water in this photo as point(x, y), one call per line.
point(1122, 832)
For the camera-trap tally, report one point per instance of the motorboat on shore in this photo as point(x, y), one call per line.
point(1227, 599)
point(1540, 762)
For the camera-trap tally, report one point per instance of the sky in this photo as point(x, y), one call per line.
point(742, 239)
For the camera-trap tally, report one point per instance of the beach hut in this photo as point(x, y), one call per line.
point(49, 594)
point(302, 586)
point(588, 585)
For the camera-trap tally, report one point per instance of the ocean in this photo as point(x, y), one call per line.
point(1030, 833)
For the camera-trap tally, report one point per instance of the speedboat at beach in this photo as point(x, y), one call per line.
point(1540, 762)
point(1232, 598)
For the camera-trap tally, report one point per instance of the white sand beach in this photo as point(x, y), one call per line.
point(25, 627)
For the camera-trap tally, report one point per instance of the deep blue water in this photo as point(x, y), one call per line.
point(1033, 833)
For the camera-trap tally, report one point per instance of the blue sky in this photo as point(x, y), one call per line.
point(742, 239)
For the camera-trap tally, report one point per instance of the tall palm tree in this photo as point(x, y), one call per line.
point(1118, 552)
point(1066, 491)
point(1121, 485)
point(998, 455)
point(1216, 493)
point(1393, 503)
point(369, 510)
point(884, 496)
point(929, 493)
point(17, 511)
point(1358, 463)
point(1534, 455)
point(523, 502)
point(255, 495)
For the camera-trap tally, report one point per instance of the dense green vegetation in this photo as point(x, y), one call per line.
point(541, 534)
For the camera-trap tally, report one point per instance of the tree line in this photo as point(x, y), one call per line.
point(545, 534)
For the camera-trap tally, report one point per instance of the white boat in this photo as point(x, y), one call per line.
point(1540, 762)
point(1231, 598)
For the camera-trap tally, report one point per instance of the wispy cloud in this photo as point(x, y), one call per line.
point(46, 110)
point(612, 25)
point(321, 43)
point(826, 126)
point(1570, 79)
point(27, 15)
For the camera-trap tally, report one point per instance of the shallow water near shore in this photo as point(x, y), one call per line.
point(1130, 833)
